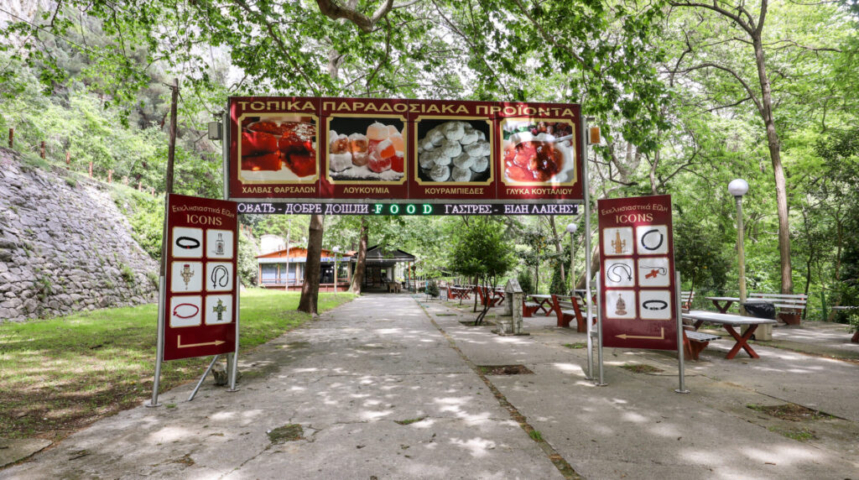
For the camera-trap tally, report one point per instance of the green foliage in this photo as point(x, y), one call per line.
point(146, 216)
point(482, 251)
point(127, 273)
point(526, 282)
point(557, 286)
point(247, 261)
point(697, 255)
point(432, 289)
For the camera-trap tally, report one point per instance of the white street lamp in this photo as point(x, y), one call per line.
point(336, 251)
point(571, 229)
point(738, 188)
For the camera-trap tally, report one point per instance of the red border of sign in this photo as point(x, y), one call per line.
point(635, 213)
point(202, 213)
point(323, 190)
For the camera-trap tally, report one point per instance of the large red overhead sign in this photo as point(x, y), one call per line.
point(202, 251)
point(349, 149)
point(638, 294)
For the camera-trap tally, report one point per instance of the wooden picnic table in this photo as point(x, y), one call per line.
point(729, 321)
point(544, 303)
point(459, 292)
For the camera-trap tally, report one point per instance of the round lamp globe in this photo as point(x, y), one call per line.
point(738, 187)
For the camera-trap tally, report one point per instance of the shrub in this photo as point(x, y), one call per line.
point(432, 289)
point(525, 282)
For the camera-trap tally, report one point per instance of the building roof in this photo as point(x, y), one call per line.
point(375, 254)
point(296, 255)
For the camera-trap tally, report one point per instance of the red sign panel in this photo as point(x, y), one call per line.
point(202, 249)
point(337, 149)
point(638, 295)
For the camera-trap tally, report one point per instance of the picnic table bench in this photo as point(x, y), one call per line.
point(487, 295)
point(729, 321)
point(790, 306)
point(568, 308)
point(695, 342)
point(542, 303)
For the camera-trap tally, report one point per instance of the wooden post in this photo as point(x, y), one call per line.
point(125, 181)
point(42, 149)
point(11, 137)
point(171, 148)
point(68, 158)
point(110, 176)
point(152, 191)
point(90, 169)
point(139, 186)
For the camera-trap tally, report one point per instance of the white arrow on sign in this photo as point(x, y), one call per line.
point(660, 337)
point(215, 343)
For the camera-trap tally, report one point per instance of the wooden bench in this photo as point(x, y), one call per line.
point(487, 295)
point(529, 308)
point(567, 310)
point(790, 306)
point(686, 299)
point(695, 342)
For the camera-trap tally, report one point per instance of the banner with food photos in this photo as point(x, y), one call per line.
point(302, 149)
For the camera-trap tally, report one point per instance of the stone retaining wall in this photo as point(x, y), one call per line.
point(65, 246)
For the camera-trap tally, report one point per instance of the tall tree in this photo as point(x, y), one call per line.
point(310, 289)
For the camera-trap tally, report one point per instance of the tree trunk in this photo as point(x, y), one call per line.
point(558, 248)
point(361, 266)
point(310, 289)
point(595, 265)
point(778, 169)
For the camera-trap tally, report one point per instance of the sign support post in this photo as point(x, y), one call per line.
point(588, 273)
point(205, 374)
point(601, 382)
point(681, 367)
point(159, 348)
point(235, 355)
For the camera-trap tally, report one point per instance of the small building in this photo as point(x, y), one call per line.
point(384, 266)
point(285, 269)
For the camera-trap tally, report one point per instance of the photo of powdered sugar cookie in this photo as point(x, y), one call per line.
point(481, 164)
point(450, 148)
point(461, 174)
point(464, 160)
point(440, 173)
point(453, 131)
point(455, 145)
point(427, 159)
point(469, 138)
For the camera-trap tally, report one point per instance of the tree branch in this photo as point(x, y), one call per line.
point(735, 75)
point(716, 8)
point(333, 10)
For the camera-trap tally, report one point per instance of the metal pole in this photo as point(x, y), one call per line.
point(572, 263)
point(587, 207)
point(678, 305)
point(205, 374)
point(235, 357)
point(601, 382)
point(159, 348)
point(741, 251)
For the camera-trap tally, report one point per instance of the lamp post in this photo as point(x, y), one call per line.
point(571, 229)
point(336, 251)
point(738, 188)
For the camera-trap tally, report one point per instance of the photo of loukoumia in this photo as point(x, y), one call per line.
point(538, 152)
point(278, 148)
point(454, 151)
point(362, 149)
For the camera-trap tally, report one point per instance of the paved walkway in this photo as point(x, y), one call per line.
point(384, 388)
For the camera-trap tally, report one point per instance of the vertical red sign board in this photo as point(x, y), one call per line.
point(200, 304)
point(638, 297)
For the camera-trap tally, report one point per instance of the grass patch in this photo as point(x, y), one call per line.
point(286, 433)
point(410, 421)
point(641, 368)
point(61, 374)
point(536, 435)
point(576, 346)
point(798, 434)
point(790, 411)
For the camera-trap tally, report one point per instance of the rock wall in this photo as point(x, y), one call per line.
point(65, 246)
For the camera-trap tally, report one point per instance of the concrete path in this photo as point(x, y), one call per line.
point(384, 387)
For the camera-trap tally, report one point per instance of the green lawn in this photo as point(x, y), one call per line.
point(61, 374)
